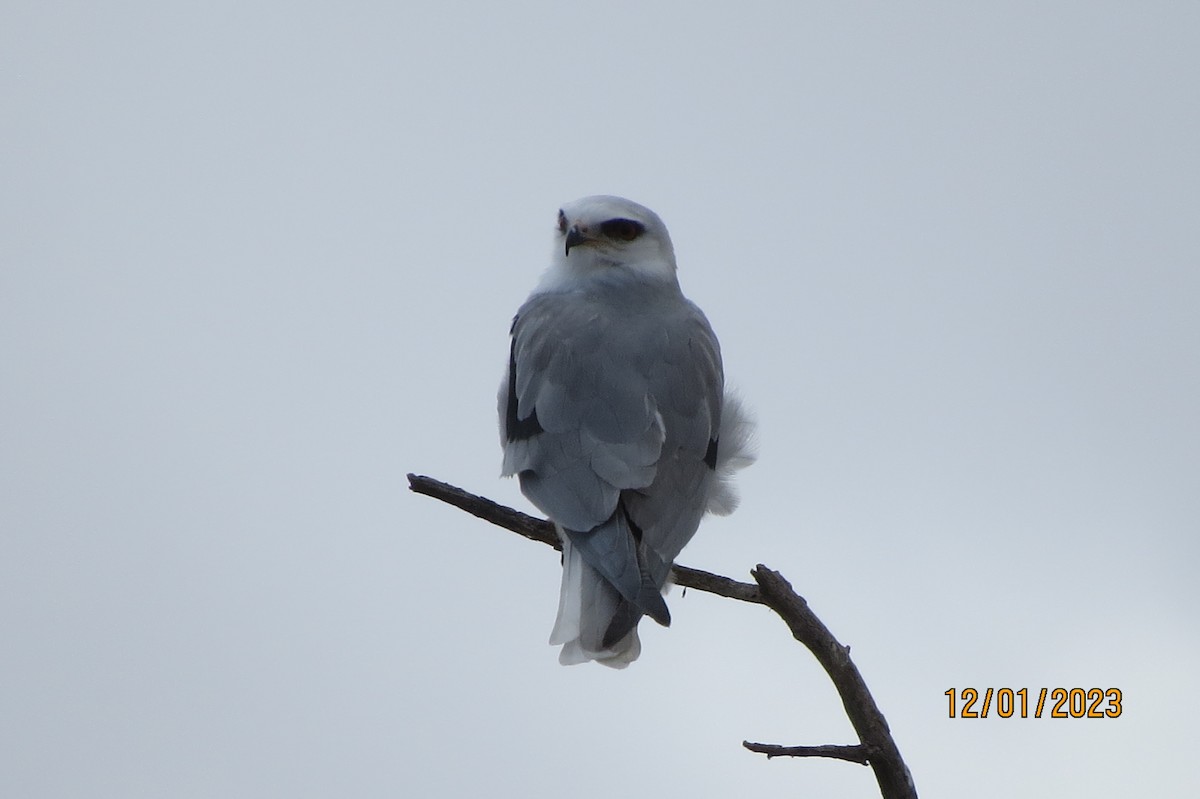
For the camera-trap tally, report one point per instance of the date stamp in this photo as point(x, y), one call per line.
point(1054, 703)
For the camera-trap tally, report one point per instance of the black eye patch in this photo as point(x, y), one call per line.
point(562, 222)
point(623, 229)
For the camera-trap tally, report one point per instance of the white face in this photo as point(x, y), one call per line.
point(602, 234)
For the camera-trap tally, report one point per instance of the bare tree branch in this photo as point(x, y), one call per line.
point(543, 531)
point(876, 746)
point(891, 773)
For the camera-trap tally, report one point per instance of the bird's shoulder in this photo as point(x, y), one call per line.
point(604, 307)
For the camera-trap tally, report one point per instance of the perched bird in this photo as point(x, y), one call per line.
point(614, 417)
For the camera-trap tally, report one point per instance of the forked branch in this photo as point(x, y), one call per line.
point(876, 746)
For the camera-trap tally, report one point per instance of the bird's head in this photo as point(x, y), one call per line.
point(604, 236)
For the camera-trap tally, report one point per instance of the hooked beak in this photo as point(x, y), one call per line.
point(574, 238)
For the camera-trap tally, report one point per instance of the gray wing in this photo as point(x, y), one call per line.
point(609, 416)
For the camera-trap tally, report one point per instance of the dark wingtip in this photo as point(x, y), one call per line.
point(629, 614)
point(654, 606)
point(624, 620)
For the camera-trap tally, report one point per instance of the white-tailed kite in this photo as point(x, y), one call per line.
point(614, 416)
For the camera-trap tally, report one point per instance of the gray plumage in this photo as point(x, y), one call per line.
point(614, 417)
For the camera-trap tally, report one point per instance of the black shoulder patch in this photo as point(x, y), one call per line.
point(710, 457)
point(517, 429)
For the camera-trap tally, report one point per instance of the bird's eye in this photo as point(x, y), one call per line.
point(562, 222)
point(623, 229)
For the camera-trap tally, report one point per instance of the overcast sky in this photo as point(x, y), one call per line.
point(258, 261)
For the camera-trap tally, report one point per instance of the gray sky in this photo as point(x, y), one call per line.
point(258, 260)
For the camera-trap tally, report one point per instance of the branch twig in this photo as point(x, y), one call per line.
point(854, 754)
point(876, 747)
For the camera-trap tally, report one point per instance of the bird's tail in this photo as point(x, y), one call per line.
point(599, 608)
point(586, 605)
